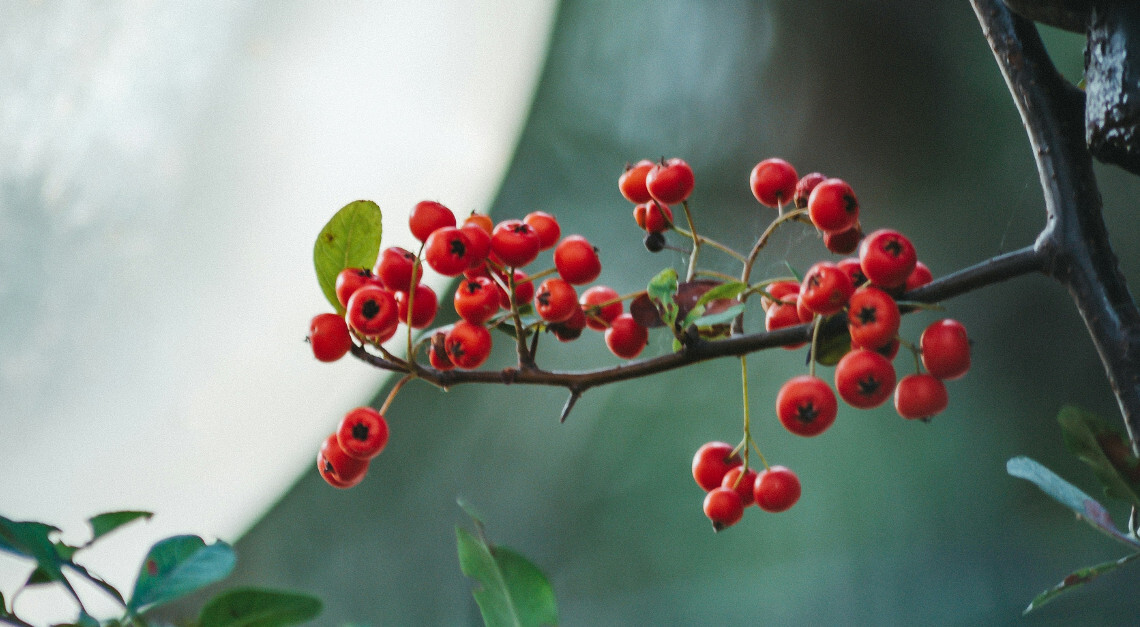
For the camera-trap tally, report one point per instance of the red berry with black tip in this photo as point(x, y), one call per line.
point(362, 433)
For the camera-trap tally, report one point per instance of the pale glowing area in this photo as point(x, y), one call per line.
point(167, 168)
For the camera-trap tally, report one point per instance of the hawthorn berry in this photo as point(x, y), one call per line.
point(825, 289)
point(658, 217)
point(712, 462)
point(872, 317)
point(394, 268)
point(478, 244)
point(743, 481)
point(351, 279)
point(362, 433)
point(556, 300)
point(515, 242)
point(625, 337)
point(780, 292)
point(468, 345)
point(631, 183)
point(777, 489)
point(476, 300)
point(424, 306)
point(803, 188)
point(781, 315)
point(523, 292)
point(773, 182)
point(437, 355)
point(372, 312)
point(832, 206)
point(427, 216)
point(599, 318)
point(670, 181)
point(887, 258)
point(545, 226)
point(654, 242)
point(945, 349)
point(920, 396)
point(918, 277)
point(328, 336)
point(806, 405)
point(864, 378)
point(481, 220)
point(569, 329)
point(843, 242)
point(447, 251)
point(723, 507)
point(336, 467)
point(577, 260)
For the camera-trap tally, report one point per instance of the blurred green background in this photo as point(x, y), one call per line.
point(900, 523)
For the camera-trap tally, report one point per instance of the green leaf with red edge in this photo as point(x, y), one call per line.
point(1065, 493)
point(178, 566)
point(1076, 579)
point(1105, 449)
point(257, 607)
point(351, 239)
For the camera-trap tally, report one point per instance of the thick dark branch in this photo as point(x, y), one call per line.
point(1075, 241)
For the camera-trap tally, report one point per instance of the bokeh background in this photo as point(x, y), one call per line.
point(900, 523)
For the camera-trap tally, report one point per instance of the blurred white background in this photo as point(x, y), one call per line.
point(164, 169)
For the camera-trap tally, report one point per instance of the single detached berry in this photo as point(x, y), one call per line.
point(806, 405)
point(920, 396)
point(476, 300)
point(887, 258)
point(864, 378)
point(424, 306)
point(468, 345)
point(394, 268)
point(447, 251)
point(832, 206)
point(515, 242)
point(777, 489)
point(362, 433)
point(336, 467)
point(372, 312)
point(577, 260)
point(631, 183)
point(804, 187)
point(773, 182)
point(625, 337)
point(825, 289)
point(945, 349)
point(872, 317)
point(545, 226)
point(328, 336)
point(723, 507)
point(712, 462)
point(427, 216)
point(556, 300)
point(670, 181)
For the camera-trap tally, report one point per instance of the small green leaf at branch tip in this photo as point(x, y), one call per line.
point(1105, 449)
point(102, 524)
point(1065, 493)
point(350, 239)
point(178, 566)
point(1076, 579)
point(661, 290)
point(510, 590)
point(258, 607)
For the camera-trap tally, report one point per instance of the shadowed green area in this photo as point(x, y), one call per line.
point(900, 523)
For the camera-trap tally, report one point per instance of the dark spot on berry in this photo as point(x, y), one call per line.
point(867, 315)
point(807, 412)
point(370, 309)
point(544, 298)
point(457, 247)
point(893, 247)
point(360, 431)
point(850, 205)
point(869, 386)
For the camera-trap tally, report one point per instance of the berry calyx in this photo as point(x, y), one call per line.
point(864, 378)
point(806, 405)
point(362, 433)
point(372, 312)
point(777, 489)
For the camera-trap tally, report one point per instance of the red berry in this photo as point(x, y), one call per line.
point(782, 315)
point(872, 317)
point(658, 217)
point(742, 484)
point(424, 306)
point(478, 244)
point(328, 336)
point(545, 226)
point(468, 345)
point(825, 289)
point(577, 260)
point(524, 291)
point(920, 396)
point(723, 507)
point(556, 300)
point(806, 405)
point(625, 337)
point(803, 188)
point(515, 242)
point(843, 242)
point(890, 349)
point(918, 277)
point(427, 216)
point(481, 220)
point(437, 356)
point(777, 489)
point(599, 318)
point(832, 206)
point(712, 462)
point(372, 312)
point(569, 329)
point(476, 300)
point(362, 433)
point(670, 181)
point(780, 291)
point(773, 182)
point(945, 349)
point(447, 251)
point(854, 271)
point(631, 183)
point(887, 258)
point(336, 467)
point(351, 279)
point(864, 378)
point(394, 268)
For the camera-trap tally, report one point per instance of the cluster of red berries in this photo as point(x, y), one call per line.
point(731, 486)
point(344, 456)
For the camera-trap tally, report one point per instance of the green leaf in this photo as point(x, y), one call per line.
point(103, 524)
point(1104, 449)
point(1068, 495)
point(661, 290)
point(177, 566)
point(351, 239)
point(1076, 579)
point(510, 590)
point(732, 289)
point(723, 317)
point(33, 539)
point(256, 607)
point(834, 340)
